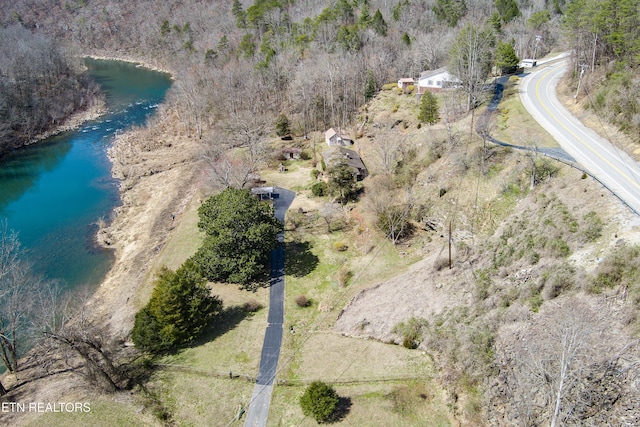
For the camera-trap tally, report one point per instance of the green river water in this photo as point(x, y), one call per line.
point(53, 193)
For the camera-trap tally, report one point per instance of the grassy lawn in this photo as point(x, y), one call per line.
point(104, 412)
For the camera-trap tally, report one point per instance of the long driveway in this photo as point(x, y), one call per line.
point(613, 167)
point(261, 399)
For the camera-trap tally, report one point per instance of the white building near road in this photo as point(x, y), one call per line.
point(436, 80)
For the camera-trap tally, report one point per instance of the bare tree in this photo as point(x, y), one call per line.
point(552, 369)
point(391, 207)
point(68, 332)
point(330, 212)
point(471, 60)
point(389, 148)
point(18, 285)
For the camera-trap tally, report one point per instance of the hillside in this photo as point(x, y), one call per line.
point(536, 272)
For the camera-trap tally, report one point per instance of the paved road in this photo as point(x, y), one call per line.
point(261, 399)
point(611, 166)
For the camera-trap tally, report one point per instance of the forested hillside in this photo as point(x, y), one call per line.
point(313, 60)
point(241, 64)
point(39, 87)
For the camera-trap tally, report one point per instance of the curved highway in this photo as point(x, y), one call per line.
point(610, 165)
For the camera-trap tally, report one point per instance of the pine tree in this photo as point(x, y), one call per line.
point(282, 126)
point(180, 309)
point(370, 86)
point(378, 23)
point(506, 59)
point(429, 111)
point(319, 401)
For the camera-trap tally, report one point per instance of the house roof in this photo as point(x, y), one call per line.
point(291, 150)
point(406, 80)
point(353, 159)
point(329, 133)
point(431, 73)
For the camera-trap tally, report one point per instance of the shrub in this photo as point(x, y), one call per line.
point(340, 246)
point(389, 86)
point(620, 268)
point(412, 331)
point(560, 248)
point(319, 401)
point(593, 227)
point(314, 174)
point(302, 301)
point(179, 310)
point(305, 155)
point(557, 280)
point(319, 189)
point(251, 306)
point(344, 275)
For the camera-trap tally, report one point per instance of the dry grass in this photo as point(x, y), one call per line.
point(512, 123)
point(386, 385)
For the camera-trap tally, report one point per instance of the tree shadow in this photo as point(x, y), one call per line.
point(224, 322)
point(342, 410)
point(299, 260)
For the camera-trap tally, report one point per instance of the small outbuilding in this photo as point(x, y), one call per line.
point(404, 83)
point(291, 153)
point(263, 192)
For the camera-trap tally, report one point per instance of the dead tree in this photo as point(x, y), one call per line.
point(69, 333)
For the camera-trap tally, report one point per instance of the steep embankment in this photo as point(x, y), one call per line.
point(158, 170)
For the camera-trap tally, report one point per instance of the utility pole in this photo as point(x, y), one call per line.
point(535, 49)
point(582, 66)
point(449, 244)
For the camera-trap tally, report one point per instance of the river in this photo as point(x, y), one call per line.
point(53, 193)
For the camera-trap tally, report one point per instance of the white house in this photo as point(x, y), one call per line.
point(334, 138)
point(436, 80)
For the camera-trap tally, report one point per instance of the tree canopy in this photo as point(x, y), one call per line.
point(506, 58)
point(319, 401)
point(240, 233)
point(180, 309)
point(429, 111)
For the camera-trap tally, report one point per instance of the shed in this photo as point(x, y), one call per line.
point(404, 83)
point(291, 153)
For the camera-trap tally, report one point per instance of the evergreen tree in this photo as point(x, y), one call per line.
point(429, 111)
point(450, 11)
point(282, 125)
point(180, 309)
point(496, 22)
point(365, 16)
point(378, 23)
point(319, 401)
point(239, 13)
point(508, 10)
point(342, 181)
point(240, 233)
point(506, 59)
point(406, 40)
point(370, 86)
